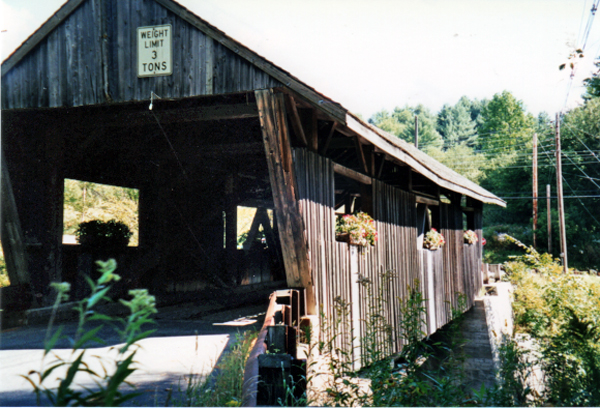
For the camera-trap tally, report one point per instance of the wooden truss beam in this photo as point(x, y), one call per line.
point(361, 155)
point(295, 119)
point(328, 139)
point(275, 132)
point(351, 174)
point(308, 118)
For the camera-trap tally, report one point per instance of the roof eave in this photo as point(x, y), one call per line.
point(394, 148)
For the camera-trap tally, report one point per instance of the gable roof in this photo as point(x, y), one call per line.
point(394, 147)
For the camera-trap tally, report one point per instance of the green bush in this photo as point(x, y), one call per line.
point(498, 248)
point(103, 234)
point(562, 312)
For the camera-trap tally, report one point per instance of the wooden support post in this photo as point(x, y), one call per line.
point(275, 132)
point(12, 234)
point(355, 302)
point(231, 230)
point(252, 232)
point(55, 205)
point(561, 203)
point(270, 235)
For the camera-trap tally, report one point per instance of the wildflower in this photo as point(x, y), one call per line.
point(61, 288)
point(141, 302)
point(106, 269)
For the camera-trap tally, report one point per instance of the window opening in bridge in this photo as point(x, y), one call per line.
point(254, 226)
point(423, 223)
point(351, 196)
point(4, 280)
point(86, 201)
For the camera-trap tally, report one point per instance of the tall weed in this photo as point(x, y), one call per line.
point(224, 386)
point(116, 372)
point(562, 311)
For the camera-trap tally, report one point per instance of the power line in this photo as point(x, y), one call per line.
point(586, 35)
point(554, 197)
point(580, 141)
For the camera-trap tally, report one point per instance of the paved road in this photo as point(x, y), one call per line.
point(182, 345)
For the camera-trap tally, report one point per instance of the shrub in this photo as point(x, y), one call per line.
point(103, 234)
point(561, 311)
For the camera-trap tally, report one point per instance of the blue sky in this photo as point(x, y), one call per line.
point(378, 54)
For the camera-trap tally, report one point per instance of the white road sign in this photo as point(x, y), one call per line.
point(155, 44)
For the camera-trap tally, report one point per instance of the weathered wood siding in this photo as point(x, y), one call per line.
point(442, 274)
point(67, 68)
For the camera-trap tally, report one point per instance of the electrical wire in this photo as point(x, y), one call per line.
point(586, 35)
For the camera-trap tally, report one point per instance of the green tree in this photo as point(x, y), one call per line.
point(385, 121)
point(505, 139)
point(506, 125)
point(580, 140)
point(476, 107)
point(456, 124)
point(401, 122)
point(592, 84)
point(462, 159)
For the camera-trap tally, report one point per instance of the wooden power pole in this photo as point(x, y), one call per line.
point(535, 188)
point(561, 204)
point(416, 131)
point(549, 212)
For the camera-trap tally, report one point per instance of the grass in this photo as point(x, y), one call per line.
point(222, 388)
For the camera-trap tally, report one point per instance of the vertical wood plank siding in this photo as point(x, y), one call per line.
point(453, 270)
point(66, 68)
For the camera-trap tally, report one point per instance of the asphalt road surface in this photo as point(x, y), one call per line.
point(183, 345)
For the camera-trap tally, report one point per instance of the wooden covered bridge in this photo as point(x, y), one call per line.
point(225, 128)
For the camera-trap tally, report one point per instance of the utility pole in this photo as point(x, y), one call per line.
point(561, 204)
point(416, 131)
point(535, 188)
point(549, 212)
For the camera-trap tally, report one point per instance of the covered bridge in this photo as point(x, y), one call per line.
point(145, 94)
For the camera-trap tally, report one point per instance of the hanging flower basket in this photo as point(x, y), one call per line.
point(433, 240)
point(358, 229)
point(470, 237)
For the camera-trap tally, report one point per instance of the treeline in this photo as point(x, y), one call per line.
point(491, 143)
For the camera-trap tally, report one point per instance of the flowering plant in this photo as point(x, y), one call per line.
point(433, 240)
point(470, 237)
point(360, 228)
